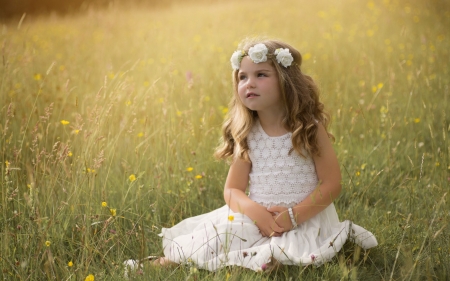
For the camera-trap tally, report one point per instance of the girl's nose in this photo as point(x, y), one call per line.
point(250, 83)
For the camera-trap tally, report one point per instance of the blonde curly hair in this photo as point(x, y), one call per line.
point(302, 106)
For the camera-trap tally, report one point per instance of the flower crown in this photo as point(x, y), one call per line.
point(259, 53)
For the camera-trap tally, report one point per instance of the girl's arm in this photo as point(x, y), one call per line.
point(239, 202)
point(329, 188)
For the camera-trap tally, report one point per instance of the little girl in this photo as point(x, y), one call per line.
point(280, 152)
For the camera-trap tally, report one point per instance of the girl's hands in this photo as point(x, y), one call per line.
point(267, 224)
point(281, 217)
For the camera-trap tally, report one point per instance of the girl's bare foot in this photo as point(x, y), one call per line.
point(162, 261)
point(132, 266)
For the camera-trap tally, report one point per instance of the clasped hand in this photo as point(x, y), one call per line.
point(273, 221)
point(281, 217)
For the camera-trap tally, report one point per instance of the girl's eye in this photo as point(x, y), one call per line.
point(242, 77)
point(262, 75)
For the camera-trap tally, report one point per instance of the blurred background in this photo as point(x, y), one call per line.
point(15, 8)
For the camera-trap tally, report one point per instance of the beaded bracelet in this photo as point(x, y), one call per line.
point(293, 220)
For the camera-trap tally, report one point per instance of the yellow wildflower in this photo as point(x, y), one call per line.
point(113, 212)
point(70, 154)
point(437, 164)
point(132, 177)
point(7, 164)
point(189, 169)
point(322, 14)
point(37, 77)
point(48, 243)
point(384, 110)
point(358, 173)
point(90, 277)
point(416, 120)
point(70, 264)
point(64, 122)
point(231, 218)
point(198, 176)
point(128, 103)
point(104, 204)
point(140, 135)
point(307, 56)
point(76, 132)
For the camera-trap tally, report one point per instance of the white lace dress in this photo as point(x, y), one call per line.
point(212, 241)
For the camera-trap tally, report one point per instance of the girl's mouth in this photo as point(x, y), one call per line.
point(251, 95)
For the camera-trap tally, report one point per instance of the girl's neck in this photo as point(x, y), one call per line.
point(272, 124)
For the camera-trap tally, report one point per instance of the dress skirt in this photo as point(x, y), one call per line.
point(225, 238)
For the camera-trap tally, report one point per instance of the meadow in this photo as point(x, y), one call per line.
point(109, 121)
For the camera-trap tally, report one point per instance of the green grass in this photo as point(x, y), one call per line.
point(119, 77)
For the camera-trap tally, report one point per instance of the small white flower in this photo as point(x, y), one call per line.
point(284, 57)
point(258, 53)
point(236, 59)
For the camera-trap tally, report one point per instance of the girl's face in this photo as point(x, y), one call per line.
point(258, 86)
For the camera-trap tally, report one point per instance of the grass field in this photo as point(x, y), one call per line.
point(109, 120)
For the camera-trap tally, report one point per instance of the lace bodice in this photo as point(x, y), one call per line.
point(277, 177)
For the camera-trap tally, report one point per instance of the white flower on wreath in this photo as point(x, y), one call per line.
point(284, 57)
point(258, 53)
point(236, 59)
